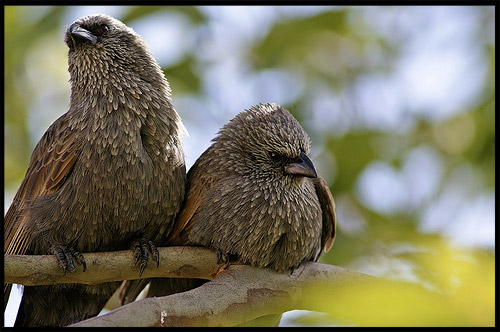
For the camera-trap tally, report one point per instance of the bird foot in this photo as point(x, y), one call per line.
point(227, 259)
point(293, 268)
point(65, 255)
point(142, 248)
point(223, 258)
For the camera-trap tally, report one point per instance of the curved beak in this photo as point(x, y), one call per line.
point(302, 167)
point(78, 32)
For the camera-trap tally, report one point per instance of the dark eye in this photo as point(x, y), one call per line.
point(103, 29)
point(274, 156)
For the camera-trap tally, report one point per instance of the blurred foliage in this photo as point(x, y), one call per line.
point(136, 12)
point(432, 284)
point(324, 47)
point(17, 144)
point(182, 77)
point(464, 296)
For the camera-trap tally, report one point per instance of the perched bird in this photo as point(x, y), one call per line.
point(254, 195)
point(107, 174)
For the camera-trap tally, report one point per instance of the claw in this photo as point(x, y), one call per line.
point(156, 254)
point(223, 257)
point(65, 257)
point(137, 251)
point(78, 257)
point(69, 259)
point(142, 248)
point(144, 262)
point(293, 268)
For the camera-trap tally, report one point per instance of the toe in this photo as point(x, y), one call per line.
point(65, 255)
point(142, 249)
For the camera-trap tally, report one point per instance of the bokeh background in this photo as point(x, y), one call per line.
point(398, 101)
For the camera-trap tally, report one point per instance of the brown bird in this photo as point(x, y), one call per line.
point(254, 195)
point(107, 174)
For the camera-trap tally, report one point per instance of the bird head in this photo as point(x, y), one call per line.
point(267, 141)
point(102, 32)
point(104, 52)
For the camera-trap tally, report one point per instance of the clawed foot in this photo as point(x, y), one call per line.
point(65, 257)
point(293, 268)
point(227, 259)
point(223, 258)
point(142, 248)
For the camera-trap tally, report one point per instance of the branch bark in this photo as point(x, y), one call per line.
point(175, 262)
point(238, 294)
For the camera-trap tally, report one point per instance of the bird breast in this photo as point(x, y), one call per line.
point(263, 225)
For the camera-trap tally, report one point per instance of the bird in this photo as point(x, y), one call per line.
point(255, 197)
point(109, 174)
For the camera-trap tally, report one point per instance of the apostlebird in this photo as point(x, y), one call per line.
point(254, 195)
point(107, 174)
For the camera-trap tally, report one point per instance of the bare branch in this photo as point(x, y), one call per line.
point(238, 294)
point(175, 262)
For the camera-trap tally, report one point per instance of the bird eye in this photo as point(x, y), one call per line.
point(103, 29)
point(274, 156)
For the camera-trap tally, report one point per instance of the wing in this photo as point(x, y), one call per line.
point(328, 211)
point(51, 162)
point(200, 178)
point(182, 223)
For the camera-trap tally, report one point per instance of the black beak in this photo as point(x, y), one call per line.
point(77, 32)
point(303, 167)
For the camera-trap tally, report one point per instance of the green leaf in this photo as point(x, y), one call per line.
point(182, 77)
point(288, 41)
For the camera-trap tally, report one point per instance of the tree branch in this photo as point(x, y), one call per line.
point(238, 294)
point(175, 262)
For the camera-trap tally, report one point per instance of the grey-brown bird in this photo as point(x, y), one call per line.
point(107, 174)
point(255, 195)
